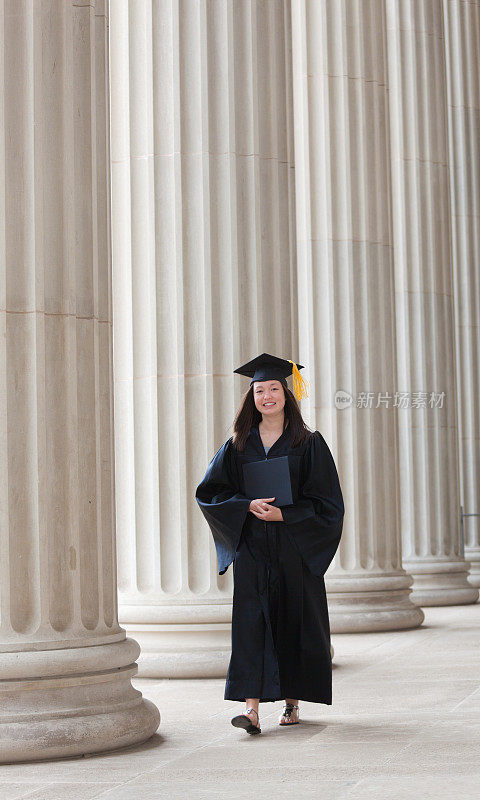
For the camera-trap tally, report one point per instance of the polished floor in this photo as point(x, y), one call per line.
point(405, 723)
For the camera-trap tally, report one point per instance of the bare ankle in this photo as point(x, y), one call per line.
point(252, 703)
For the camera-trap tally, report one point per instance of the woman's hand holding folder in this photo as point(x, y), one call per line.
point(263, 510)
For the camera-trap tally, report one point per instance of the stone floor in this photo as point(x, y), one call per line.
point(405, 723)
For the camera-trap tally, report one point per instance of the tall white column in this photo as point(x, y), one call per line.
point(462, 47)
point(65, 664)
point(203, 255)
point(428, 434)
point(345, 295)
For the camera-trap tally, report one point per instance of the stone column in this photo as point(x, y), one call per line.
point(203, 254)
point(345, 296)
point(428, 427)
point(65, 664)
point(462, 48)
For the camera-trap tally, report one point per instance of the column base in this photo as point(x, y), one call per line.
point(362, 603)
point(472, 554)
point(71, 709)
point(200, 650)
point(182, 640)
point(441, 583)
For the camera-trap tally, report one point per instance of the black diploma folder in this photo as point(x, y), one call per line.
point(269, 478)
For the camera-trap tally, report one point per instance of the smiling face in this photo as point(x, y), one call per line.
point(269, 397)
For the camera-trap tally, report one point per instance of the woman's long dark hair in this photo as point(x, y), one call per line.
point(249, 415)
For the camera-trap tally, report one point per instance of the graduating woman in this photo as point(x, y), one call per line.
point(280, 624)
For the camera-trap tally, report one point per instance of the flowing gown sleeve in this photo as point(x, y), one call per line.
point(315, 520)
point(222, 505)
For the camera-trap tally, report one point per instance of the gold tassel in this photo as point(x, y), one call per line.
point(299, 383)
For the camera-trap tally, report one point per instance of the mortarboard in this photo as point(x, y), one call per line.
point(267, 368)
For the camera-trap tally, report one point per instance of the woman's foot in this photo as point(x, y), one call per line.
point(290, 715)
point(252, 713)
point(249, 721)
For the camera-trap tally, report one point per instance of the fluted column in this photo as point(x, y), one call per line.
point(428, 427)
point(345, 295)
point(203, 253)
point(462, 47)
point(65, 664)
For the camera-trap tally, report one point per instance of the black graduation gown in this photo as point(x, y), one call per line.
point(280, 625)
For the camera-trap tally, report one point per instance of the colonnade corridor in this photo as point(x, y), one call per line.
point(185, 184)
point(405, 722)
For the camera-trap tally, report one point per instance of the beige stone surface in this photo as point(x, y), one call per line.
point(65, 663)
point(345, 289)
point(203, 258)
point(462, 37)
point(405, 722)
point(294, 177)
point(428, 438)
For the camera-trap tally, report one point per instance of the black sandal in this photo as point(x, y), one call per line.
point(242, 721)
point(287, 713)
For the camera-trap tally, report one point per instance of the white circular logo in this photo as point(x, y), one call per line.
point(343, 399)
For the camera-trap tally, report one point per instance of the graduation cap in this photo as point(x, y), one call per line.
point(268, 368)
